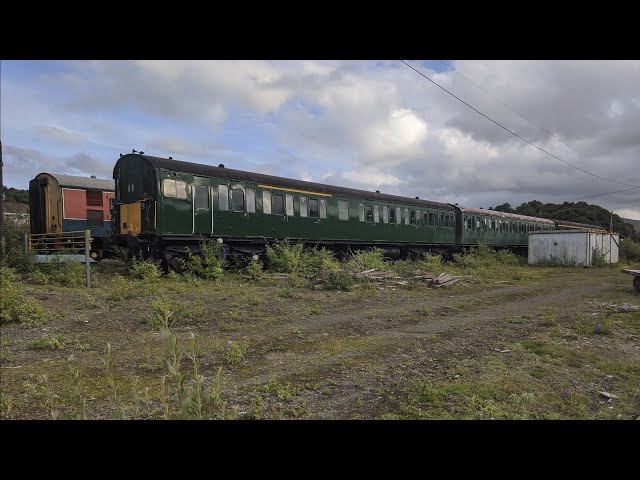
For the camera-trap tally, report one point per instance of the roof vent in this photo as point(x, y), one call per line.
point(93, 176)
point(170, 158)
point(221, 165)
point(377, 191)
point(121, 155)
point(417, 198)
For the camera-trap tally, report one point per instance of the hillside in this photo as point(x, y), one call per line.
point(15, 195)
point(635, 223)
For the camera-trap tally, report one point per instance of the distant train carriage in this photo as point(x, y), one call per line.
point(497, 229)
point(65, 203)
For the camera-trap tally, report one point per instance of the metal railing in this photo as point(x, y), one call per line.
point(63, 243)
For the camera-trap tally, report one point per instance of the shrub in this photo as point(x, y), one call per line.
point(255, 270)
point(235, 353)
point(145, 269)
point(64, 272)
point(366, 260)
point(15, 256)
point(317, 260)
point(598, 258)
point(15, 307)
point(207, 265)
point(121, 289)
point(284, 257)
point(630, 250)
point(337, 281)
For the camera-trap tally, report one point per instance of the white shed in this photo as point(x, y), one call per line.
point(572, 247)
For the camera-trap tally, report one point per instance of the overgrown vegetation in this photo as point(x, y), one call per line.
point(145, 269)
point(285, 257)
point(14, 306)
point(630, 250)
point(207, 265)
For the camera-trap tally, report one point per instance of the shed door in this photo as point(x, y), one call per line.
point(202, 208)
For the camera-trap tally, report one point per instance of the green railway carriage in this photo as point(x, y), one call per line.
point(497, 229)
point(164, 206)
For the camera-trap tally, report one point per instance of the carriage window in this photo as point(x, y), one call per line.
point(313, 208)
point(369, 214)
point(277, 204)
point(237, 200)
point(343, 210)
point(385, 214)
point(361, 211)
point(398, 215)
point(266, 201)
point(442, 224)
point(303, 206)
point(289, 204)
point(392, 215)
point(323, 208)
point(131, 185)
point(95, 218)
point(202, 197)
point(169, 188)
point(406, 216)
point(94, 198)
point(181, 190)
point(413, 217)
point(376, 214)
point(251, 200)
point(223, 197)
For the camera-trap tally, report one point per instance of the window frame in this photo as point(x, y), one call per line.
point(223, 196)
point(343, 213)
point(195, 197)
point(250, 192)
point(317, 215)
point(288, 204)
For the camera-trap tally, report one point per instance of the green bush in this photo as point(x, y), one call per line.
point(14, 306)
point(284, 257)
point(333, 280)
point(145, 269)
point(366, 260)
point(630, 250)
point(318, 260)
point(598, 258)
point(63, 272)
point(235, 353)
point(15, 256)
point(255, 270)
point(208, 265)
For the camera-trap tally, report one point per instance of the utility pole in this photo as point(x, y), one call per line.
point(611, 227)
point(2, 240)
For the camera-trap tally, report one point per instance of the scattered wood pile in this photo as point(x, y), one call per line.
point(442, 280)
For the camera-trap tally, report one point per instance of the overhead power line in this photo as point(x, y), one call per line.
point(609, 193)
point(515, 134)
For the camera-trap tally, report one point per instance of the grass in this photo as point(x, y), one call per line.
point(370, 354)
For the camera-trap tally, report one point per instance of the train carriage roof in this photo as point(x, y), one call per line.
point(270, 180)
point(506, 216)
point(85, 183)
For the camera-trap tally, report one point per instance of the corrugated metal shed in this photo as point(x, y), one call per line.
point(572, 247)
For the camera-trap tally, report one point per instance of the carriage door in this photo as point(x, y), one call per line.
point(202, 207)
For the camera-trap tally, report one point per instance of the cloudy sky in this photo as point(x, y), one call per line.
point(375, 125)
